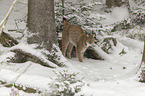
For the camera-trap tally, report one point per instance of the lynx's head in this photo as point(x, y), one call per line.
point(90, 39)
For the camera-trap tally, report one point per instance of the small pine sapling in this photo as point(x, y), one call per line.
point(66, 84)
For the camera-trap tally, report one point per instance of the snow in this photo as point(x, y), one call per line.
point(117, 14)
point(115, 88)
point(132, 4)
point(114, 76)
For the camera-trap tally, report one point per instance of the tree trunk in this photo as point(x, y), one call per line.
point(143, 65)
point(62, 8)
point(143, 57)
point(118, 3)
point(41, 23)
point(110, 3)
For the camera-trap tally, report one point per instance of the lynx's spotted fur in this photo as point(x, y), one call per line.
point(73, 35)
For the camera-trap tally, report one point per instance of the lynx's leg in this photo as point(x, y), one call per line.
point(82, 55)
point(79, 54)
point(65, 43)
point(70, 46)
point(64, 47)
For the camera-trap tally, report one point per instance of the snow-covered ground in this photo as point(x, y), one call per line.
point(115, 76)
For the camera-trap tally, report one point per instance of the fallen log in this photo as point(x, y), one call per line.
point(7, 41)
point(107, 47)
point(108, 44)
point(91, 53)
point(22, 56)
point(19, 87)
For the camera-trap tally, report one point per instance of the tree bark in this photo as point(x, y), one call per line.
point(143, 57)
point(142, 78)
point(110, 3)
point(118, 3)
point(62, 8)
point(41, 22)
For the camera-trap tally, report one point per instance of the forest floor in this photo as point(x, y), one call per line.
point(114, 76)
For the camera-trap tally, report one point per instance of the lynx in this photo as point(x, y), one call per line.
point(73, 35)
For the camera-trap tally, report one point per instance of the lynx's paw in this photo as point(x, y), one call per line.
point(68, 57)
point(80, 60)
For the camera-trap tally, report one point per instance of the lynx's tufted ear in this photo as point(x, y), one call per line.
point(65, 21)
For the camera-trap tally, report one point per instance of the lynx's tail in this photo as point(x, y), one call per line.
point(65, 21)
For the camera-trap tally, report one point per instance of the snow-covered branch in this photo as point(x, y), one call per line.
point(4, 21)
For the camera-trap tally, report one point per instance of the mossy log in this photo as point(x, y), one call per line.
point(7, 41)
